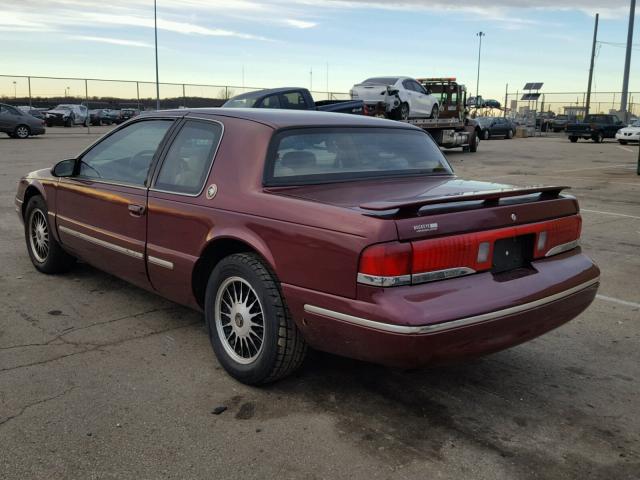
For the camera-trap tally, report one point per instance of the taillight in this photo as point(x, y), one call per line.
point(396, 263)
point(386, 264)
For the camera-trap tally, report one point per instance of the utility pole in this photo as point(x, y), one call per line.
point(155, 31)
point(627, 64)
point(479, 34)
point(593, 56)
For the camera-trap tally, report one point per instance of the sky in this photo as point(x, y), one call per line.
point(315, 43)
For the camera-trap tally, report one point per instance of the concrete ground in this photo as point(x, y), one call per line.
point(99, 379)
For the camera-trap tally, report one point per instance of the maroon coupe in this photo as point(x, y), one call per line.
point(348, 234)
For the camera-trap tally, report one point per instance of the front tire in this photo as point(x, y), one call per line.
point(597, 138)
point(509, 134)
point(250, 327)
point(44, 250)
point(573, 139)
point(622, 142)
point(486, 135)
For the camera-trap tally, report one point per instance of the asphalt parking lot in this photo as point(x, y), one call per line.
point(99, 379)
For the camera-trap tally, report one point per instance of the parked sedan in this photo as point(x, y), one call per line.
point(629, 134)
point(346, 233)
point(495, 127)
point(18, 124)
point(399, 98)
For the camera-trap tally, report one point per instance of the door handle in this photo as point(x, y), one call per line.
point(135, 210)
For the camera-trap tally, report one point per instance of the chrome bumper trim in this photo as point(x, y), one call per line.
point(439, 327)
point(101, 243)
point(160, 262)
point(565, 247)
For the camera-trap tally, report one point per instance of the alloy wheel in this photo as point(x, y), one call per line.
point(239, 319)
point(22, 131)
point(39, 236)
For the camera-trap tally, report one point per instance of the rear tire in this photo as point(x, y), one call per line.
point(474, 142)
point(69, 121)
point(597, 138)
point(44, 250)
point(435, 111)
point(509, 134)
point(22, 132)
point(573, 139)
point(486, 135)
point(250, 327)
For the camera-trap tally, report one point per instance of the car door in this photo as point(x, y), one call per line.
point(178, 209)
point(416, 109)
point(101, 210)
point(425, 100)
point(9, 118)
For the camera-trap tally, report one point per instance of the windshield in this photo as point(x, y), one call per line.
point(240, 103)
point(635, 124)
point(62, 107)
point(382, 80)
point(325, 155)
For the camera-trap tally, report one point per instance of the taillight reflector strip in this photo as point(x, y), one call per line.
point(421, 261)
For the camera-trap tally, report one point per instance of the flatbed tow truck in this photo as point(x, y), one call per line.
point(452, 128)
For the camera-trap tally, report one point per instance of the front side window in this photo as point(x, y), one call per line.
point(324, 155)
point(187, 164)
point(125, 156)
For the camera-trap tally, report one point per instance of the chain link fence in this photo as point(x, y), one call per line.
point(47, 92)
point(572, 104)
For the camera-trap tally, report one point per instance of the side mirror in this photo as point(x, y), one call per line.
point(65, 168)
point(429, 91)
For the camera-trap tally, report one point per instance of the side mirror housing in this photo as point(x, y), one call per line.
point(65, 168)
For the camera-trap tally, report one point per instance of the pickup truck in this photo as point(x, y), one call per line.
point(595, 127)
point(293, 99)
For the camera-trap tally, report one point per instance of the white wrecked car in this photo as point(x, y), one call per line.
point(399, 98)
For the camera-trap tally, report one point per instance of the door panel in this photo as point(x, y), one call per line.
point(94, 221)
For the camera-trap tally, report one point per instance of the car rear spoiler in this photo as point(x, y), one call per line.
point(490, 197)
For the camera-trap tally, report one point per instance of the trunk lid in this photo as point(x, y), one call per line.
point(428, 207)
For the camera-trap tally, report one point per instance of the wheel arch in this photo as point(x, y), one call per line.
point(217, 249)
point(31, 191)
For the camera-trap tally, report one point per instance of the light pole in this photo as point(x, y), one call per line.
point(479, 34)
point(15, 90)
point(627, 64)
point(66, 92)
point(155, 32)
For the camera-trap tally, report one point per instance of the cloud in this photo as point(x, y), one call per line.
point(299, 23)
point(112, 41)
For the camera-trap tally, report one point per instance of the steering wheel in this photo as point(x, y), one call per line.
point(142, 157)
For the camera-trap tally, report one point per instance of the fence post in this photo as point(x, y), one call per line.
point(506, 99)
point(184, 97)
point(138, 94)
point(29, 84)
point(226, 93)
point(86, 96)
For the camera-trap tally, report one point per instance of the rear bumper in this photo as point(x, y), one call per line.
point(445, 321)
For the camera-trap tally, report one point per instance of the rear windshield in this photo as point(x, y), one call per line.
point(325, 155)
point(246, 102)
point(382, 80)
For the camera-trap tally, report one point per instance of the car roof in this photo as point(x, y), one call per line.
point(264, 92)
point(280, 118)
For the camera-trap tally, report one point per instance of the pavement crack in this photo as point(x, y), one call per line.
point(39, 402)
point(100, 347)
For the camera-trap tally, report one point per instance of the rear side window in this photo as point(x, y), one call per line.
point(293, 100)
point(188, 161)
point(324, 155)
point(271, 102)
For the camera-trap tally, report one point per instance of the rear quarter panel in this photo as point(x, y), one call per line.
point(308, 244)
